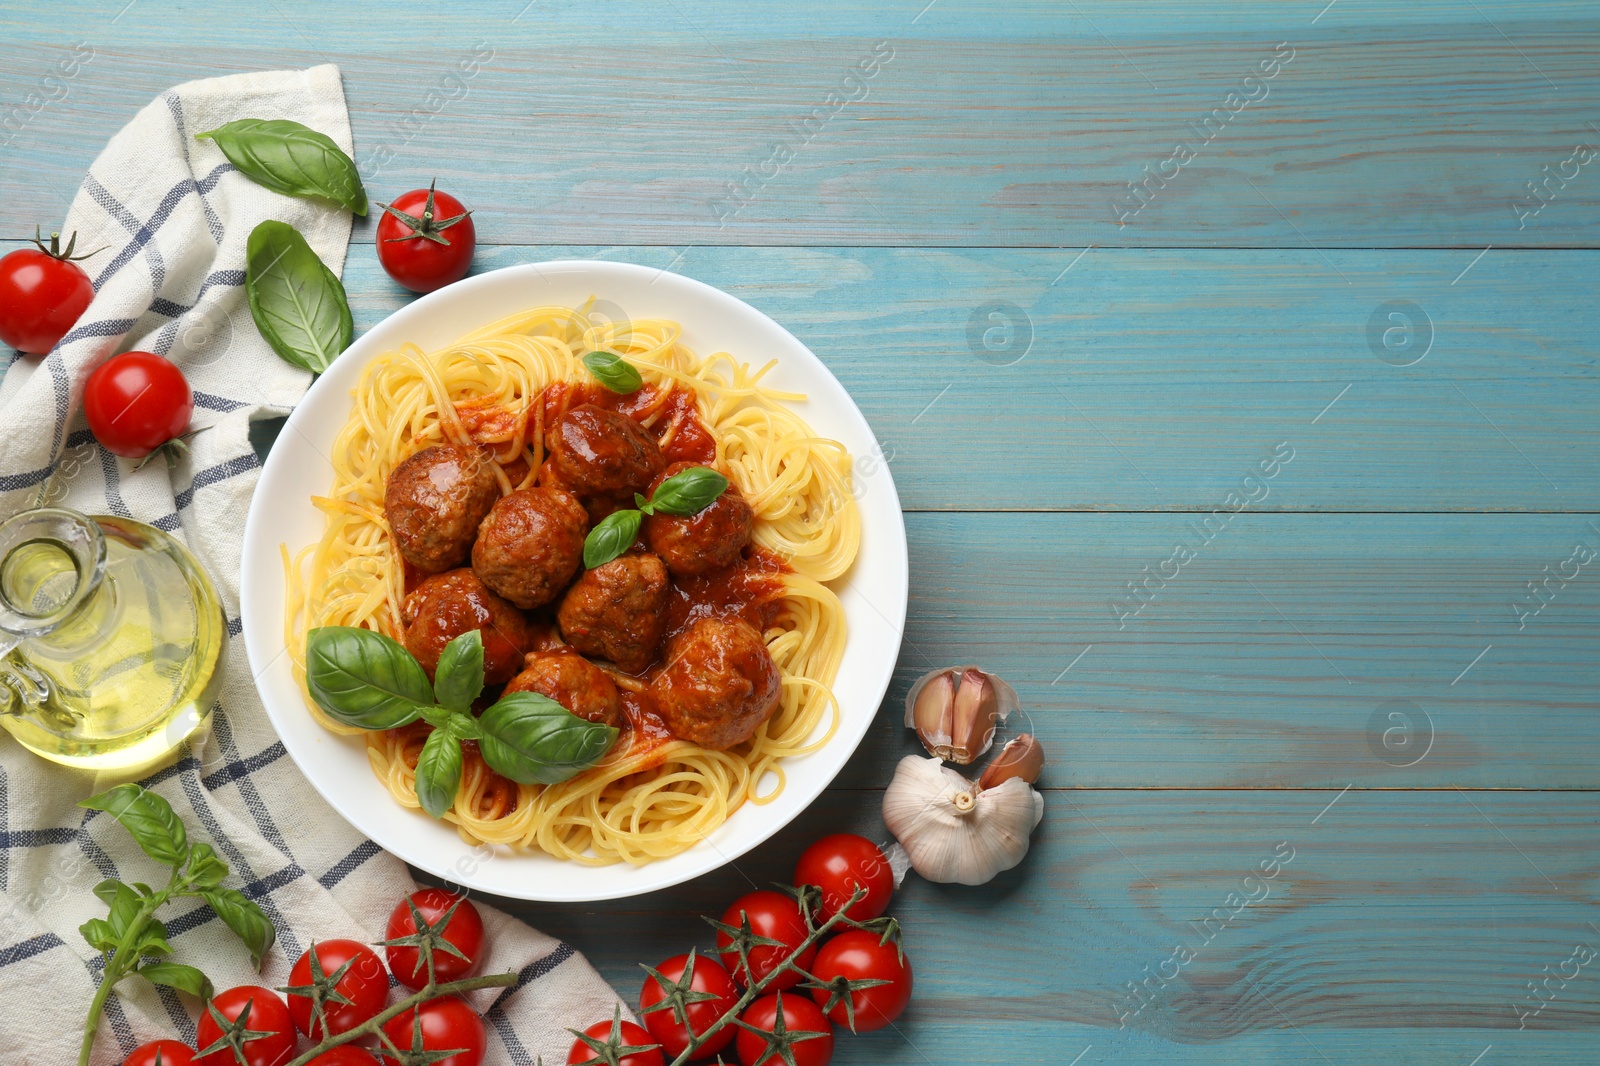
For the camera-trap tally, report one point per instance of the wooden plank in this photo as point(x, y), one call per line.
point(1290, 651)
point(990, 125)
point(1404, 929)
point(1159, 379)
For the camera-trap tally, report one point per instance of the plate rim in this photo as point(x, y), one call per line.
point(262, 655)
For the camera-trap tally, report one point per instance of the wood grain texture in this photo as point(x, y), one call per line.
point(991, 125)
point(1404, 929)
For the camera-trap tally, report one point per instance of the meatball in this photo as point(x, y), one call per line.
point(704, 542)
point(434, 501)
point(572, 681)
point(530, 545)
point(601, 453)
point(455, 602)
point(617, 611)
point(719, 683)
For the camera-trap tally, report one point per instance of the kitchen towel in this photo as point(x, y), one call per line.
point(172, 217)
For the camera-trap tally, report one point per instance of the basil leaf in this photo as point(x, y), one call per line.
point(287, 157)
point(459, 676)
point(364, 679)
point(245, 919)
point(205, 869)
point(298, 304)
point(614, 372)
point(152, 940)
point(614, 535)
point(123, 901)
point(177, 975)
point(688, 492)
point(148, 818)
point(534, 740)
point(439, 772)
point(99, 934)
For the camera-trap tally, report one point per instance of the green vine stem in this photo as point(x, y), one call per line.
point(431, 990)
point(754, 991)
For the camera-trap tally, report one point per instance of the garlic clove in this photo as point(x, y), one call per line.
point(930, 709)
point(955, 711)
point(1023, 756)
point(952, 831)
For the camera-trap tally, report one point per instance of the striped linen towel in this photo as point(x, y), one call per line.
point(173, 217)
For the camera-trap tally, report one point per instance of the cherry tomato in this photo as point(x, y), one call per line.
point(800, 1016)
point(665, 1025)
point(627, 1035)
point(161, 1053)
point(840, 863)
point(136, 402)
point(771, 914)
point(344, 1055)
point(425, 239)
point(365, 984)
point(448, 1024)
point(858, 955)
point(42, 293)
point(246, 1007)
point(464, 930)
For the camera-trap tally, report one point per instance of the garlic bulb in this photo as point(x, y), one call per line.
point(953, 831)
point(955, 710)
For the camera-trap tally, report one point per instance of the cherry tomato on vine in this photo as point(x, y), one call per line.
point(171, 1052)
point(136, 402)
point(344, 1055)
point(800, 1018)
point(838, 864)
point(43, 291)
point(666, 1026)
point(425, 239)
point(448, 1024)
point(245, 1008)
point(859, 955)
point(625, 1035)
point(770, 914)
point(365, 984)
point(464, 931)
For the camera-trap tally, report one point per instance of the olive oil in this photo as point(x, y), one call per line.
point(118, 639)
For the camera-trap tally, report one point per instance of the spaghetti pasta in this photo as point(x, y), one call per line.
point(501, 387)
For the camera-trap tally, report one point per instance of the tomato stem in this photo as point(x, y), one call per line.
point(431, 990)
point(755, 989)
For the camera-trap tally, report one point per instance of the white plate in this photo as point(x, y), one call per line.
point(873, 592)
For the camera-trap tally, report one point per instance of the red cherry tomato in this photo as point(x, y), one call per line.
point(425, 239)
point(771, 914)
point(42, 293)
point(465, 931)
point(266, 1014)
point(136, 402)
point(448, 1024)
point(344, 1055)
point(838, 864)
point(800, 1016)
point(161, 1053)
point(666, 1028)
point(627, 1035)
point(857, 955)
point(365, 984)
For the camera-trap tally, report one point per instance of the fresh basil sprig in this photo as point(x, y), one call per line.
point(368, 680)
point(131, 938)
point(686, 493)
point(298, 304)
point(614, 372)
point(291, 158)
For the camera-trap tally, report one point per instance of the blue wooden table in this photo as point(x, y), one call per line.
point(1091, 269)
